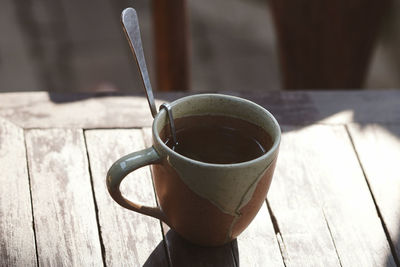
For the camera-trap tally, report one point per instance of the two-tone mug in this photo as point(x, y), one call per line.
point(206, 203)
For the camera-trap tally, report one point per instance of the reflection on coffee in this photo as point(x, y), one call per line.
point(218, 139)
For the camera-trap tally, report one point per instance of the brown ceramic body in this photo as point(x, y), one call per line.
point(196, 218)
point(207, 204)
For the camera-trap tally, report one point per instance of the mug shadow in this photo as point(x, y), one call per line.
point(158, 257)
point(180, 252)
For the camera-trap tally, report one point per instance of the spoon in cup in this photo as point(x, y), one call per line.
point(130, 24)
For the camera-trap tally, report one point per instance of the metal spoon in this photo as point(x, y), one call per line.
point(130, 24)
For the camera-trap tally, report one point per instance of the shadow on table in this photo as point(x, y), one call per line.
point(291, 108)
point(182, 253)
point(157, 257)
point(62, 98)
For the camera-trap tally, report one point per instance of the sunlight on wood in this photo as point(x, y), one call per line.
point(318, 172)
point(378, 147)
point(17, 241)
point(339, 117)
point(61, 190)
point(129, 238)
point(257, 245)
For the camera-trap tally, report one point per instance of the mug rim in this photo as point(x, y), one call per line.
point(269, 154)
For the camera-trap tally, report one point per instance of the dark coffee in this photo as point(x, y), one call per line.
point(217, 139)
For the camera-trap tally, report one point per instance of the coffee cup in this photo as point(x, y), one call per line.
point(206, 203)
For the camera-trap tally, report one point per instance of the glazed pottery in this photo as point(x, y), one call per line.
point(207, 204)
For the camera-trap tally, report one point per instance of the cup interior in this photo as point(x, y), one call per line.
point(223, 105)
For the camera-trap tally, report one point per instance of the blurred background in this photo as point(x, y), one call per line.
point(231, 45)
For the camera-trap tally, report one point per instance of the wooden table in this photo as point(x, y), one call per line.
point(334, 199)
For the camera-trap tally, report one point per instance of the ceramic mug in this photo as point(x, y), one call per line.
point(207, 204)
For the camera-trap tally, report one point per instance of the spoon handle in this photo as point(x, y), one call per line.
point(131, 28)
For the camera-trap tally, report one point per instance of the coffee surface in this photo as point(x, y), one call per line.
point(217, 139)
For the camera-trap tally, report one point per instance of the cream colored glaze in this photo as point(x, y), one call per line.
point(228, 186)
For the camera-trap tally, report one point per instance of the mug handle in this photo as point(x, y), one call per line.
point(121, 168)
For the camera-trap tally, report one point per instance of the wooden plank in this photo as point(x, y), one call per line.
point(99, 113)
point(183, 253)
point(63, 206)
point(258, 244)
point(129, 238)
point(38, 109)
point(330, 107)
point(378, 148)
point(17, 241)
point(325, 183)
point(300, 221)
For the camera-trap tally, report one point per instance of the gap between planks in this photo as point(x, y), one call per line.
point(30, 195)
point(17, 237)
point(333, 239)
point(277, 231)
point(128, 237)
point(103, 250)
point(314, 186)
point(65, 222)
point(384, 226)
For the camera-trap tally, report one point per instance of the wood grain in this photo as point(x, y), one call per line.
point(183, 253)
point(129, 238)
point(41, 110)
point(17, 241)
point(45, 110)
point(318, 177)
point(258, 244)
point(378, 148)
point(63, 205)
point(300, 221)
